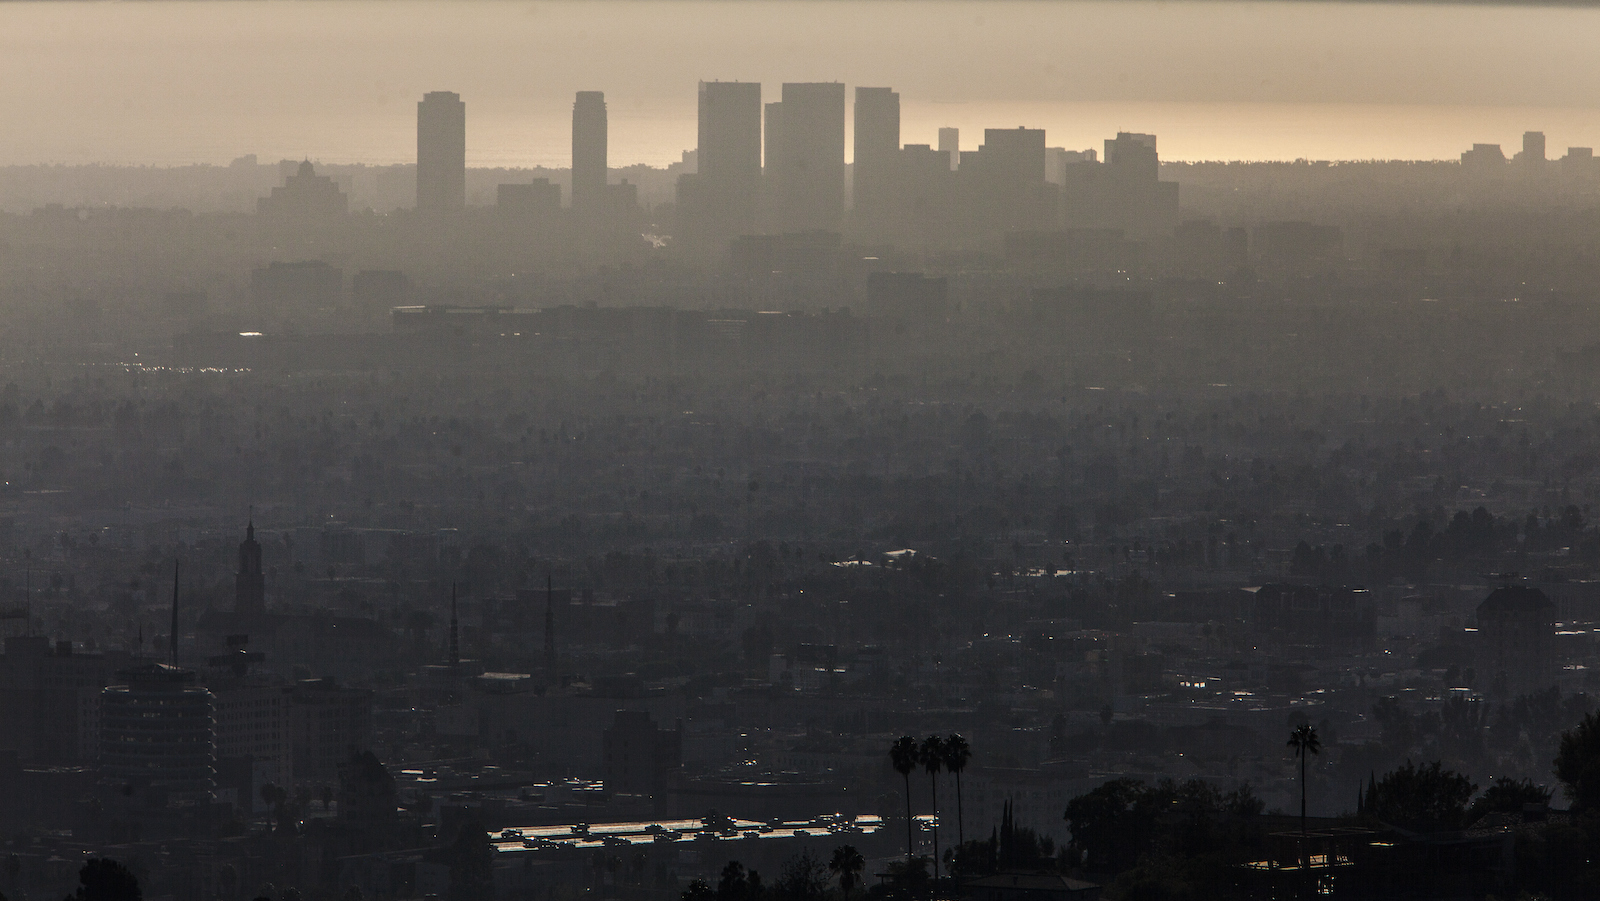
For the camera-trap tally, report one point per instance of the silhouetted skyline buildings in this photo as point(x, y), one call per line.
point(589, 151)
point(725, 191)
point(877, 143)
point(441, 152)
point(780, 168)
point(304, 197)
point(805, 157)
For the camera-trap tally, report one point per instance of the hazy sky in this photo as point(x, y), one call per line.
point(185, 82)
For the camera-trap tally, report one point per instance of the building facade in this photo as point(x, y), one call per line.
point(589, 152)
point(441, 152)
point(805, 157)
point(158, 728)
point(1516, 636)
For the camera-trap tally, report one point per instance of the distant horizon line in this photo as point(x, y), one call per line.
point(1330, 161)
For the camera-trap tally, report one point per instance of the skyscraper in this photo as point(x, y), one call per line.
point(806, 157)
point(1133, 155)
point(49, 698)
point(159, 725)
point(877, 145)
point(1004, 181)
point(589, 151)
point(441, 152)
point(772, 121)
point(730, 130)
point(1016, 154)
point(1516, 639)
point(950, 142)
point(1532, 154)
point(720, 197)
point(1125, 191)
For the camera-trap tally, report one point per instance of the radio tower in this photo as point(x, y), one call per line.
point(455, 635)
point(549, 627)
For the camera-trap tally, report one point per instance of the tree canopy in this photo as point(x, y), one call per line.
point(471, 861)
point(1113, 825)
point(103, 879)
point(1577, 763)
point(1426, 798)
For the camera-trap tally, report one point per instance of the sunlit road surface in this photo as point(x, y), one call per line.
point(645, 832)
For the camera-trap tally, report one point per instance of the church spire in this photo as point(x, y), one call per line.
point(250, 584)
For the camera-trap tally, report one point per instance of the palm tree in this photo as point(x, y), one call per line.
point(932, 755)
point(847, 864)
point(1305, 743)
point(956, 754)
point(903, 754)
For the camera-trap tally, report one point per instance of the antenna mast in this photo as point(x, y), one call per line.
point(455, 640)
point(549, 626)
point(175, 565)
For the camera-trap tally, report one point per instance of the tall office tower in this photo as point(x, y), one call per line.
point(1131, 195)
point(806, 157)
point(589, 151)
point(1533, 147)
point(326, 721)
point(950, 142)
point(50, 699)
point(441, 152)
point(1133, 157)
point(1516, 639)
point(1004, 184)
point(1579, 161)
point(772, 120)
point(730, 130)
point(720, 196)
point(159, 725)
point(877, 147)
point(252, 736)
point(1015, 154)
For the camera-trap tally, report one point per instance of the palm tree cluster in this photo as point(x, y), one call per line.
point(934, 754)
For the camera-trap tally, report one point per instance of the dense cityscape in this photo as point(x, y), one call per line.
point(751, 528)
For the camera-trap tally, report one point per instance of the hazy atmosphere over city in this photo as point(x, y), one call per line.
point(724, 451)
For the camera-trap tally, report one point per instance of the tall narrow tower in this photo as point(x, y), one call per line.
point(549, 627)
point(249, 585)
point(877, 143)
point(588, 151)
point(175, 565)
point(441, 152)
point(455, 633)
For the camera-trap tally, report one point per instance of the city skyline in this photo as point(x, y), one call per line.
point(879, 423)
point(177, 84)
